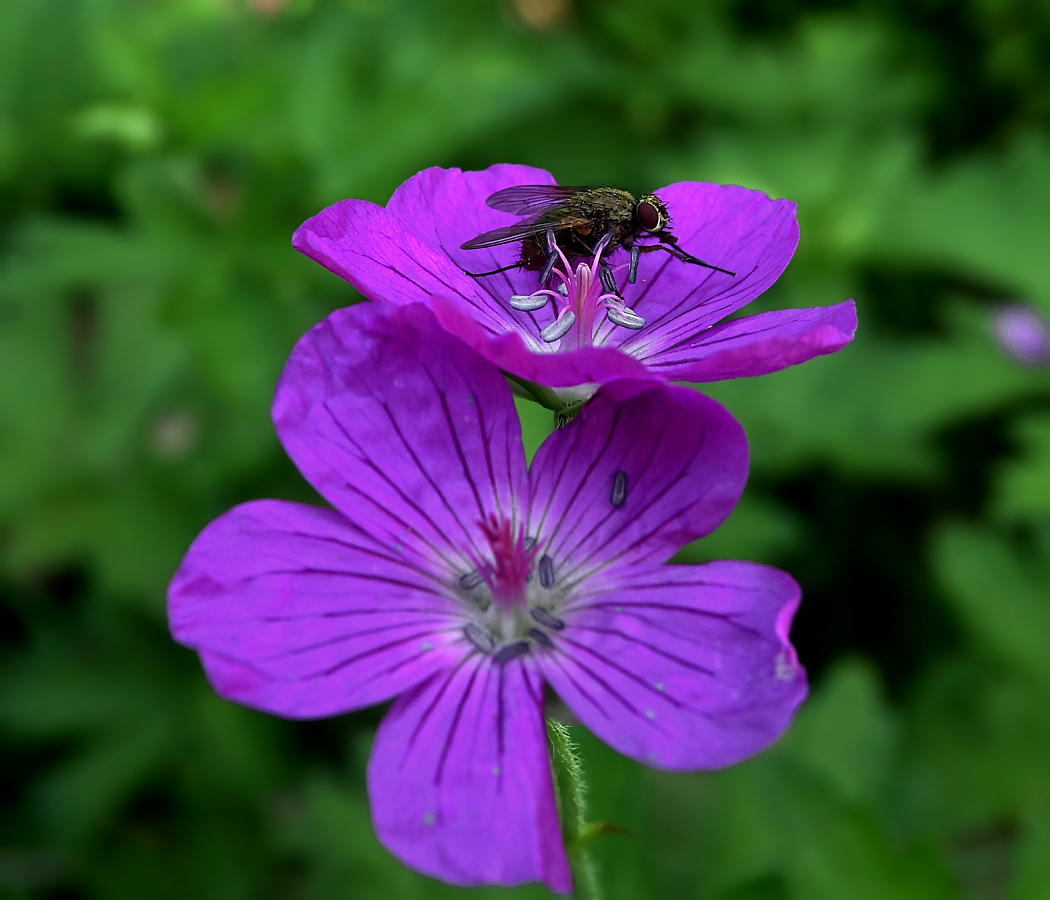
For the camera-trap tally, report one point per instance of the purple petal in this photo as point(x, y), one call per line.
point(379, 255)
point(383, 257)
point(447, 207)
point(404, 429)
point(755, 345)
point(680, 458)
point(298, 612)
point(728, 226)
point(410, 251)
point(587, 365)
point(682, 667)
point(460, 780)
point(1022, 333)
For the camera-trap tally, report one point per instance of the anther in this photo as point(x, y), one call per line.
point(626, 318)
point(619, 488)
point(552, 257)
point(479, 638)
point(528, 302)
point(599, 248)
point(546, 619)
point(510, 651)
point(529, 544)
point(546, 568)
point(632, 271)
point(541, 638)
point(559, 327)
point(608, 280)
point(471, 580)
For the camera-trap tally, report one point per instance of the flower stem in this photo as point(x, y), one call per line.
point(565, 403)
point(536, 393)
point(570, 789)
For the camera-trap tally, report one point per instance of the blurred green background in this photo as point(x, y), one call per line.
point(155, 157)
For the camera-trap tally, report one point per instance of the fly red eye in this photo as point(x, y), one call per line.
point(649, 216)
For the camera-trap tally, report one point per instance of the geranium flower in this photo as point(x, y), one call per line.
point(671, 325)
point(452, 577)
point(1022, 333)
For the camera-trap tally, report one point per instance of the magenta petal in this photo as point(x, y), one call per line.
point(738, 229)
point(1022, 333)
point(386, 260)
point(587, 365)
point(754, 345)
point(460, 780)
point(380, 256)
point(447, 207)
point(680, 458)
point(298, 612)
point(682, 667)
point(404, 429)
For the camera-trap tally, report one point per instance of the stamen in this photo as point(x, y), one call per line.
point(529, 544)
point(510, 651)
point(619, 489)
point(624, 317)
point(546, 569)
point(580, 296)
point(541, 638)
point(599, 248)
point(553, 252)
point(471, 579)
point(528, 302)
point(632, 272)
point(559, 327)
point(546, 619)
point(479, 638)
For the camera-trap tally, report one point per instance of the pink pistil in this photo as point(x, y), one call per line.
point(580, 307)
point(511, 562)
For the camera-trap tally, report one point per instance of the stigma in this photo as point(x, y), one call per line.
point(510, 597)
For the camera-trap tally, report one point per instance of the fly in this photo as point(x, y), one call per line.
point(575, 220)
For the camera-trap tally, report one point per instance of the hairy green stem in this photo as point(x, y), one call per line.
point(570, 790)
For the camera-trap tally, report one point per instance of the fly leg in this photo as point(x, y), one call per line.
point(514, 265)
point(669, 243)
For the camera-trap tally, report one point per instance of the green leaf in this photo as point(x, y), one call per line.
point(1002, 599)
point(979, 739)
point(833, 851)
point(79, 795)
point(1031, 876)
point(1022, 488)
point(846, 735)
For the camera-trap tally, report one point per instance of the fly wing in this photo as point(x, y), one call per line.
point(516, 232)
point(532, 199)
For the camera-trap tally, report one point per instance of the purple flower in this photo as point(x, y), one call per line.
point(672, 324)
point(1022, 333)
point(452, 577)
